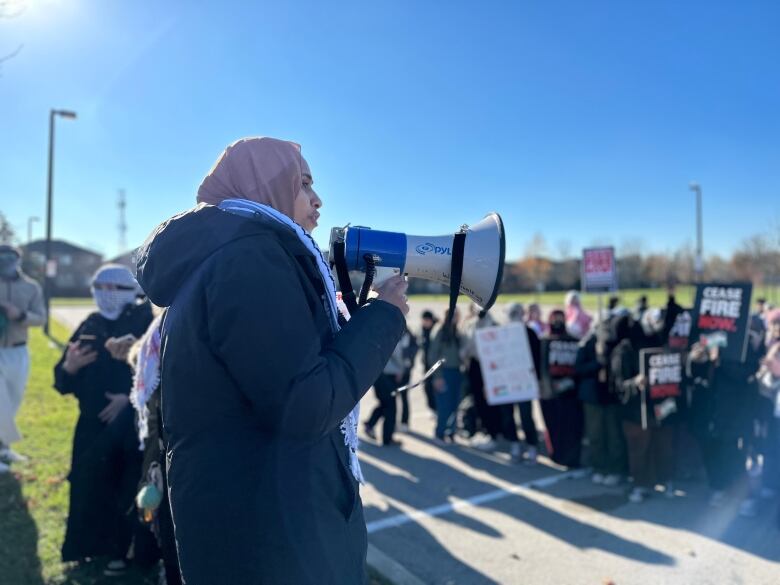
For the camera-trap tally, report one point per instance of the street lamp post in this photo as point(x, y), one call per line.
point(46, 270)
point(699, 266)
point(30, 221)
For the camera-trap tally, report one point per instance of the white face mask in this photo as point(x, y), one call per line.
point(111, 303)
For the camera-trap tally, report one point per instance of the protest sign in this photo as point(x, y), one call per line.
point(599, 270)
point(720, 318)
point(558, 360)
point(507, 364)
point(663, 373)
point(681, 330)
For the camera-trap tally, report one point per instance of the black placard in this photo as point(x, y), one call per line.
point(720, 318)
point(663, 373)
point(681, 330)
point(558, 360)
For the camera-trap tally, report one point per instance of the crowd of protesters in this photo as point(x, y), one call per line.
point(729, 412)
point(261, 420)
point(727, 416)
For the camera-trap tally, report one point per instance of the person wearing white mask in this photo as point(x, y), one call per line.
point(106, 462)
point(21, 307)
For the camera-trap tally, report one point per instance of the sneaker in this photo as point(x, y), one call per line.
point(612, 479)
point(4, 467)
point(369, 431)
point(516, 451)
point(637, 496)
point(392, 443)
point(403, 428)
point(530, 455)
point(597, 478)
point(7, 455)
point(749, 508)
point(115, 568)
point(439, 441)
point(484, 444)
point(717, 499)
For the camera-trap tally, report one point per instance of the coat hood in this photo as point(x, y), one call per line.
point(179, 245)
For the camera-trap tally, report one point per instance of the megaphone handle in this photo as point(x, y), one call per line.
point(345, 284)
point(369, 280)
point(456, 272)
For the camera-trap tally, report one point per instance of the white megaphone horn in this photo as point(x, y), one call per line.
point(428, 257)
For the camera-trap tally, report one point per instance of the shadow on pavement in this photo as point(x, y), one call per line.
point(19, 562)
point(437, 483)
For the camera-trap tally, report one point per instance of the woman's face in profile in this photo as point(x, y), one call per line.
point(307, 202)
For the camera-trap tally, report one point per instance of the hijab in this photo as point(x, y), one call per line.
point(260, 169)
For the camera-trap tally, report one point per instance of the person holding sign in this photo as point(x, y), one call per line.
point(561, 407)
point(650, 445)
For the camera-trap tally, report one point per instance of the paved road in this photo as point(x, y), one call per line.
point(456, 516)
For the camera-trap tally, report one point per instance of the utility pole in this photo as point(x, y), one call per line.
point(699, 265)
point(122, 205)
point(49, 269)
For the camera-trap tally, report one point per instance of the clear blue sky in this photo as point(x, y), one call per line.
point(584, 121)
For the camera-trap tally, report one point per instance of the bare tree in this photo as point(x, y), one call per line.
point(7, 234)
point(11, 9)
point(564, 249)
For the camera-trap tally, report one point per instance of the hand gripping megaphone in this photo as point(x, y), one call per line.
point(473, 257)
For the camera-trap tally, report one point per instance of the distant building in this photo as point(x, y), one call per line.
point(75, 266)
point(127, 259)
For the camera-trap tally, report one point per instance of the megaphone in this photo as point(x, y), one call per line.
point(429, 257)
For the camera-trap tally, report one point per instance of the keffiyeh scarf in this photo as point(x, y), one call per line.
point(147, 376)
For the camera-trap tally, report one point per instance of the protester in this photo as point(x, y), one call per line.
point(530, 451)
point(641, 307)
point(577, 320)
point(428, 323)
point(761, 310)
point(448, 379)
point(768, 378)
point(601, 409)
point(21, 307)
point(260, 382)
point(651, 449)
point(152, 499)
point(561, 407)
point(106, 462)
point(762, 441)
point(385, 386)
point(409, 349)
point(722, 402)
point(534, 319)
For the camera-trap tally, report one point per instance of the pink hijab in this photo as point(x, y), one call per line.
point(264, 170)
point(577, 320)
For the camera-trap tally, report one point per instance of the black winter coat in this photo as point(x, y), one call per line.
point(254, 388)
point(106, 463)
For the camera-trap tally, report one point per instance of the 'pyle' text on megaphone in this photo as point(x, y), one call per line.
point(430, 257)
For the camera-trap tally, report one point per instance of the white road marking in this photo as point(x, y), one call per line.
point(432, 512)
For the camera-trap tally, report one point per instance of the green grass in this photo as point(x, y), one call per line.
point(72, 301)
point(628, 297)
point(34, 497)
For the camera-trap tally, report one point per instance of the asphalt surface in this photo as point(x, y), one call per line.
point(453, 515)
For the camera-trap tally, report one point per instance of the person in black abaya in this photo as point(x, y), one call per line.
point(106, 462)
point(561, 406)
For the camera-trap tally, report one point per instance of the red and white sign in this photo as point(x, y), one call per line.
point(599, 270)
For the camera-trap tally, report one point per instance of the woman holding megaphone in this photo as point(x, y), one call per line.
point(261, 377)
